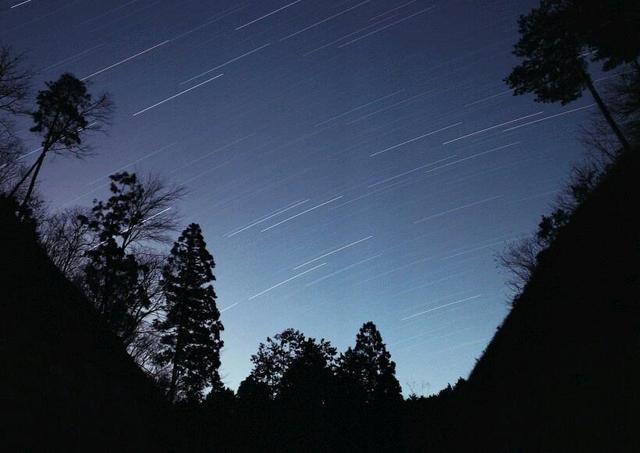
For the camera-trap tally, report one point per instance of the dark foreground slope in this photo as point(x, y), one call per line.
point(560, 375)
point(65, 382)
point(563, 371)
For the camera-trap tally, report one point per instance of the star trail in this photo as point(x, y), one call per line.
point(347, 160)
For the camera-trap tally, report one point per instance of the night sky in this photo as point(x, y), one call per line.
point(347, 160)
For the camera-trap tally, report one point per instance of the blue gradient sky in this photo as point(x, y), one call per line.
point(378, 132)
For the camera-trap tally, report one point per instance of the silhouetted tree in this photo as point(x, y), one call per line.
point(66, 110)
point(308, 380)
point(14, 83)
point(139, 210)
point(256, 415)
point(367, 369)
point(306, 398)
point(71, 387)
point(550, 225)
point(191, 340)
point(67, 239)
point(253, 391)
point(623, 96)
point(14, 86)
point(520, 258)
point(221, 399)
point(112, 279)
point(552, 45)
point(122, 275)
point(274, 357)
point(143, 348)
point(609, 29)
point(10, 168)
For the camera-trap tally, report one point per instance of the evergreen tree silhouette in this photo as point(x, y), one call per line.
point(367, 371)
point(66, 110)
point(191, 340)
point(553, 44)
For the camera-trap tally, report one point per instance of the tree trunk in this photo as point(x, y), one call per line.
point(174, 372)
point(24, 178)
point(32, 184)
point(606, 113)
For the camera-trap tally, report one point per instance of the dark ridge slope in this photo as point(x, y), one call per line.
point(66, 383)
point(563, 370)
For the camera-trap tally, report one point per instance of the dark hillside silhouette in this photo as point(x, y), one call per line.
point(562, 372)
point(67, 383)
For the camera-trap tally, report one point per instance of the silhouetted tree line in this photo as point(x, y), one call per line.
point(301, 394)
point(161, 304)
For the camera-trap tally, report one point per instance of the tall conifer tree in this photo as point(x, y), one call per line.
point(191, 340)
point(367, 369)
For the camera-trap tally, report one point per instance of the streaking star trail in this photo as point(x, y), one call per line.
point(347, 161)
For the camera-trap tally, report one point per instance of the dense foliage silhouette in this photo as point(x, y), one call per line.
point(190, 331)
point(556, 38)
point(66, 111)
point(121, 274)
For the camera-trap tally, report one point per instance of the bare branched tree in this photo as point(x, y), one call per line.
point(143, 349)
point(10, 168)
point(14, 82)
point(520, 259)
point(145, 341)
point(153, 213)
point(598, 140)
point(14, 87)
point(153, 261)
point(622, 92)
point(66, 239)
